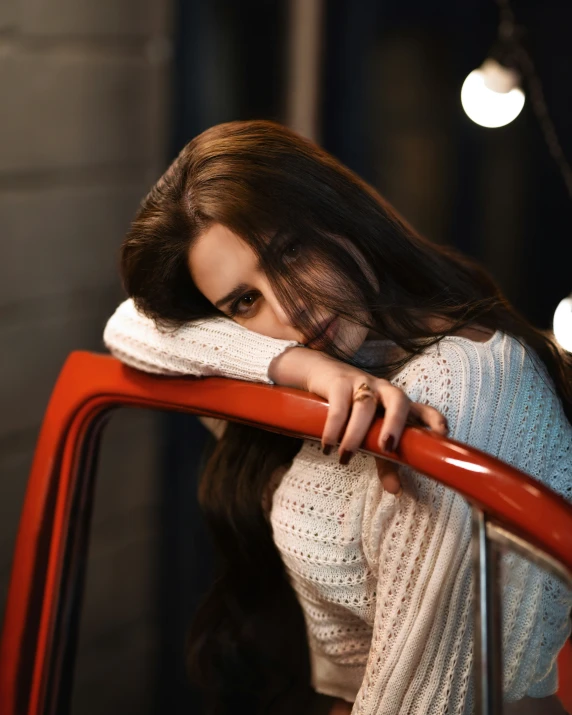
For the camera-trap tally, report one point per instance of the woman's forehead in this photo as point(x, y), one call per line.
point(218, 260)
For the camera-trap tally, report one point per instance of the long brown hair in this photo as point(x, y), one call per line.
point(279, 191)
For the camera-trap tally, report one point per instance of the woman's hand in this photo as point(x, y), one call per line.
point(353, 396)
point(340, 707)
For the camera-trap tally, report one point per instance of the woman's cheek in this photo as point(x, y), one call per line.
point(351, 337)
point(265, 323)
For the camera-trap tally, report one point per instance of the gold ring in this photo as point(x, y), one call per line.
point(364, 392)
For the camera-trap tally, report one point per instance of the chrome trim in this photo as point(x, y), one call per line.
point(523, 548)
point(487, 664)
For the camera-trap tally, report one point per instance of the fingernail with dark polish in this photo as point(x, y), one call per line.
point(345, 457)
point(389, 444)
point(327, 449)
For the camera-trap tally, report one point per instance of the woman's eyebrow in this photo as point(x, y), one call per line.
point(236, 292)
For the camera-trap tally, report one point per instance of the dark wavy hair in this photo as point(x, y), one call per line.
point(276, 190)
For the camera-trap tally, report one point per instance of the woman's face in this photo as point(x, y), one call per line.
point(225, 269)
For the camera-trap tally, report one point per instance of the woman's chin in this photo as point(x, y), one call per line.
point(350, 337)
point(344, 335)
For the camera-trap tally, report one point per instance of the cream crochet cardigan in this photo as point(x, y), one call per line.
point(385, 582)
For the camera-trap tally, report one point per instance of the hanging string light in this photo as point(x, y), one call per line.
point(508, 63)
point(492, 97)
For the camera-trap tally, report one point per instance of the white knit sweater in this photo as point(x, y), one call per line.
point(385, 582)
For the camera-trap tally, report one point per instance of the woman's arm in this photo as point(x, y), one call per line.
point(214, 346)
point(219, 346)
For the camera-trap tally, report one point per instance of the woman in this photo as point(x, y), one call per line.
point(302, 275)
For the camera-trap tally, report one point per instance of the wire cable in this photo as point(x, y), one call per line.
point(509, 34)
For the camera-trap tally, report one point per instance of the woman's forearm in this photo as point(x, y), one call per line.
point(214, 346)
point(294, 366)
point(219, 346)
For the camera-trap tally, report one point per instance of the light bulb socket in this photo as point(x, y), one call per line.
point(499, 78)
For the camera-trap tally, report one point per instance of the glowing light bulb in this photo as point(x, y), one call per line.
point(491, 96)
point(563, 323)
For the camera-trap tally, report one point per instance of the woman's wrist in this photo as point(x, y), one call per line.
point(311, 370)
point(293, 367)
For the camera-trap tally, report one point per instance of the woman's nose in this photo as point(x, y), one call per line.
point(281, 315)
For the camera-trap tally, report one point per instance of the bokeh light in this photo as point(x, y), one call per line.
point(489, 95)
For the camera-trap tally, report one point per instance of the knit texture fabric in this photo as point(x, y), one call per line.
point(385, 582)
point(217, 346)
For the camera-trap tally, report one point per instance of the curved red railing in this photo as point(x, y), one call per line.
point(46, 560)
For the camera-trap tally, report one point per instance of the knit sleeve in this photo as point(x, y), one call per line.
point(214, 346)
point(419, 546)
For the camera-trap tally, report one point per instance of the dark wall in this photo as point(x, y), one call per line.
point(82, 135)
point(392, 111)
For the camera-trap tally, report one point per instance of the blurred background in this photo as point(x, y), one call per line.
point(97, 97)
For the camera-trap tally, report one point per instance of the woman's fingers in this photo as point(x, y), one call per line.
point(359, 402)
point(340, 707)
point(362, 413)
point(430, 417)
point(388, 475)
point(340, 401)
point(397, 407)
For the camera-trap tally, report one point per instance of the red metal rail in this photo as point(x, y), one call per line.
point(52, 538)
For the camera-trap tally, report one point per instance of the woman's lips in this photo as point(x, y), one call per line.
point(328, 329)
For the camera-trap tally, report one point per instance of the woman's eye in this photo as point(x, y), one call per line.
point(247, 300)
point(292, 252)
point(244, 304)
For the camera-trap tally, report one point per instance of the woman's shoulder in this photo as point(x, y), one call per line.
point(489, 377)
point(502, 362)
point(457, 360)
point(500, 355)
point(453, 349)
point(486, 379)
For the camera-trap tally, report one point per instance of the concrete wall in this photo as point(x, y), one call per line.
point(83, 122)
